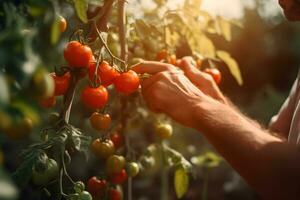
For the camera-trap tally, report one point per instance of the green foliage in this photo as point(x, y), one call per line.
point(181, 182)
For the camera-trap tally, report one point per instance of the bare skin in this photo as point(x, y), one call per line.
point(190, 97)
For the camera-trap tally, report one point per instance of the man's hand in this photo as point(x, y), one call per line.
point(202, 80)
point(169, 91)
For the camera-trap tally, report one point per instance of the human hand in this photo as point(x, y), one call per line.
point(169, 91)
point(202, 80)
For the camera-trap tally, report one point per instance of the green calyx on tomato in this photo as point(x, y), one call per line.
point(79, 187)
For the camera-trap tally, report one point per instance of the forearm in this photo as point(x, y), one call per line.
point(257, 155)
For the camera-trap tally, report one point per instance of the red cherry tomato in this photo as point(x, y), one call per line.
point(162, 55)
point(106, 73)
point(172, 59)
point(96, 186)
point(118, 178)
point(127, 82)
point(114, 194)
point(48, 102)
point(77, 54)
point(215, 73)
point(94, 98)
point(117, 139)
point(61, 83)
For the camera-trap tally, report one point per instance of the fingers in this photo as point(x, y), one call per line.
point(152, 67)
point(187, 64)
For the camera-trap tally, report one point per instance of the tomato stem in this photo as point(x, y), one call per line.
point(113, 57)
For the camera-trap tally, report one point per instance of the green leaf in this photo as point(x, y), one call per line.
point(232, 65)
point(207, 160)
point(192, 6)
point(4, 90)
point(225, 27)
point(142, 29)
point(55, 32)
point(81, 7)
point(23, 174)
point(181, 182)
point(203, 45)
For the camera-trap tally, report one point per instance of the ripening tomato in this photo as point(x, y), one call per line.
point(132, 169)
point(96, 186)
point(115, 164)
point(61, 83)
point(48, 102)
point(215, 73)
point(117, 139)
point(118, 178)
point(102, 149)
point(127, 82)
point(163, 130)
point(19, 129)
point(106, 73)
point(77, 54)
point(172, 59)
point(94, 98)
point(62, 24)
point(199, 63)
point(100, 121)
point(114, 194)
point(85, 195)
point(162, 55)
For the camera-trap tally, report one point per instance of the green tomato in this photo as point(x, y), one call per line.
point(85, 195)
point(147, 162)
point(115, 164)
point(163, 131)
point(51, 171)
point(132, 169)
point(79, 187)
point(73, 196)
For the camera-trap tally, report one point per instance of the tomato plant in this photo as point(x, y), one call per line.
point(98, 55)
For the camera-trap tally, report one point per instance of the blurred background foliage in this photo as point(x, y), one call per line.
point(267, 49)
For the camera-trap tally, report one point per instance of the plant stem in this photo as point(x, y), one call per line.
point(164, 175)
point(205, 185)
point(68, 97)
point(124, 101)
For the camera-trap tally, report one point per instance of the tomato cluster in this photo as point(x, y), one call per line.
point(165, 56)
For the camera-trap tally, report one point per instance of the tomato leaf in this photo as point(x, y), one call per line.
point(232, 65)
point(81, 7)
point(55, 32)
point(181, 182)
point(225, 28)
point(207, 160)
point(23, 174)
